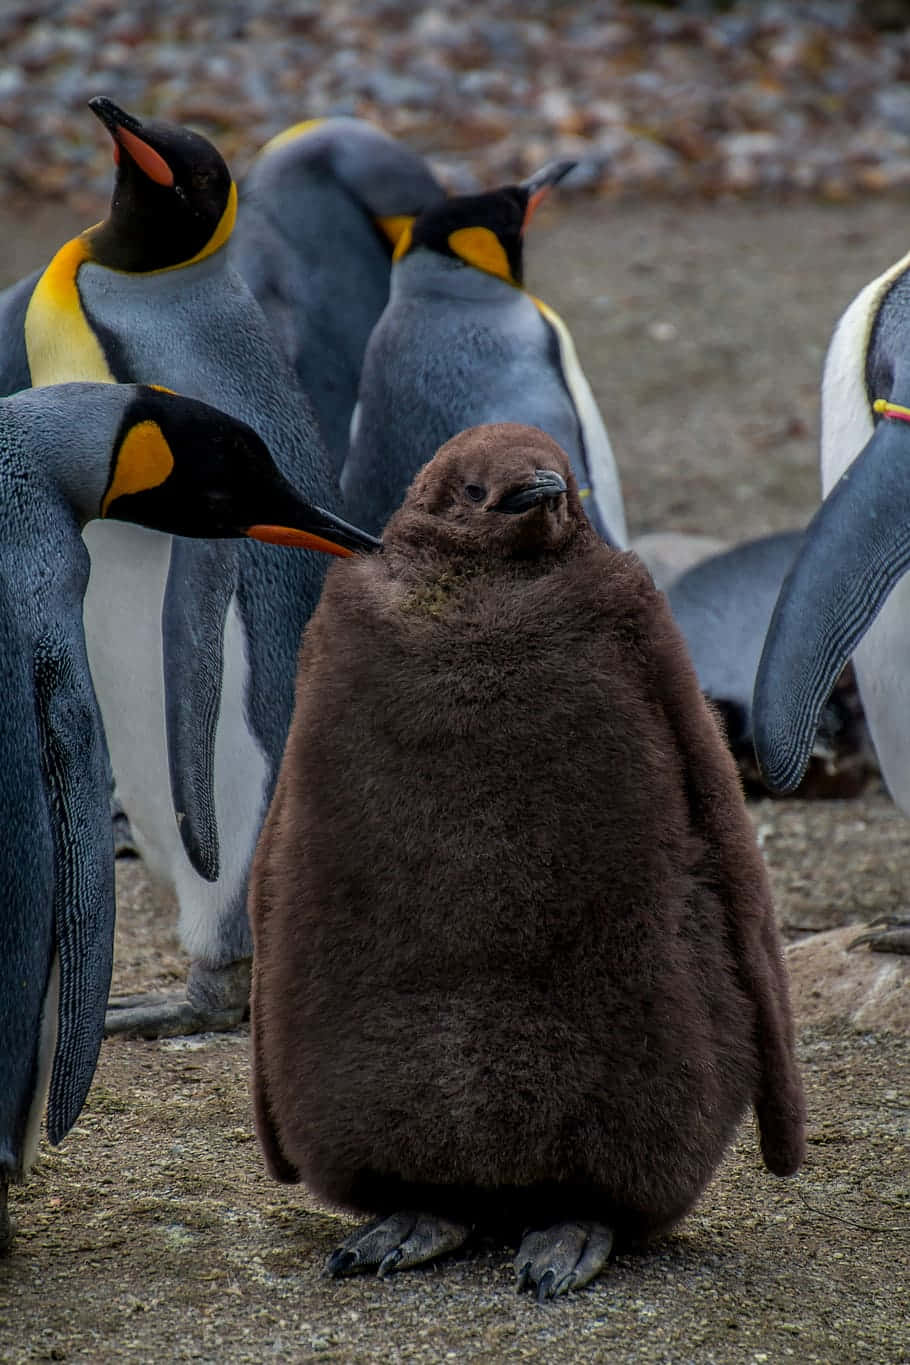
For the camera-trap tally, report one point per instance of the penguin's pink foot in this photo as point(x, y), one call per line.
point(395, 1243)
point(561, 1258)
point(892, 936)
point(6, 1227)
point(216, 999)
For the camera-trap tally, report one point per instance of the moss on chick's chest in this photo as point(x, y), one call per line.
point(439, 595)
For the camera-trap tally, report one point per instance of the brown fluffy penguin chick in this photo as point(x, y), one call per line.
point(516, 963)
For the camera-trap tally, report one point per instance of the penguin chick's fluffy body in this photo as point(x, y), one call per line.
point(515, 953)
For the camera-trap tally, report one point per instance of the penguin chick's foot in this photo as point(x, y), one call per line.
point(216, 999)
point(892, 936)
point(396, 1243)
point(6, 1227)
point(561, 1258)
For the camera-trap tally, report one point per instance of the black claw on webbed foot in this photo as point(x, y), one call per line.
point(340, 1262)
point(893, 935)
point(562, 1258)
point(396, 1243)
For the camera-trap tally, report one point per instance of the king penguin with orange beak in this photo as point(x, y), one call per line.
point(192, 645)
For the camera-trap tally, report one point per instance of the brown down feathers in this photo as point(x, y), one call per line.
point(515, 952)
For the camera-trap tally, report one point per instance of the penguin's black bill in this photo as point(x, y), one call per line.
point(112, 116)
point(126, 132)
point(538, 185)
point(323, 532)
point(547, 484)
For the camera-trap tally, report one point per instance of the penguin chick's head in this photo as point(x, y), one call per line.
point(484, 230)
point(173, 201)
point(504, 490)
point(186, 468)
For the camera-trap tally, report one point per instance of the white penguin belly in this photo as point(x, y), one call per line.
point(882, 658)
point(122, 614)
point(882, 664)
point(47, 1046)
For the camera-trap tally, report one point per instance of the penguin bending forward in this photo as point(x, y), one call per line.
point(516, 959)
point(461, 343)
point(321, 209)
point(848, 594)
point(67, 454)
point(192, 646)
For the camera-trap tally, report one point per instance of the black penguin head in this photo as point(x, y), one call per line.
point(184, 467)
point(173, 201)
point(484, 230)
point(504, 490)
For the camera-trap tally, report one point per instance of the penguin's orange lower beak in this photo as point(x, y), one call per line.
point(303, 540)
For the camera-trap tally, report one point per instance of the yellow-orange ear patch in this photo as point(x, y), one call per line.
point(403, 245)
point(144, 460)
point(150, 162)
point(480, 247)
point(394, 226)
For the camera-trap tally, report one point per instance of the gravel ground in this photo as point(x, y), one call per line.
point(812, 95)
point(153, 1233)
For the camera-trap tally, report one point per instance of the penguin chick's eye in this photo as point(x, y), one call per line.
point(475, 491)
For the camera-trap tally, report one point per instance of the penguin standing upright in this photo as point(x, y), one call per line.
point(461, 342)
point(848, 593)
point(192, 647)
point(68, 453)
point(516, 958)
point(321, 209)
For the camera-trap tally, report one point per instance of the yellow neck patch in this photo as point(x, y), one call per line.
point(144, 461)
point(395, 226)
point(59, 343)
point(480, 247)
point(219, 236)
point(291, 134)
point(403, 245)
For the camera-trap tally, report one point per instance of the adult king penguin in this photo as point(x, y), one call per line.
point(461, 342)
point(192, 647)
point(848, 593)
point(69, 453)
point(516, 958)
point(321, 209)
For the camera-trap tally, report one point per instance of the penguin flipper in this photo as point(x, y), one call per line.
point(201, 579)
point(736, 870)
point(75, 768)
point(15, 373)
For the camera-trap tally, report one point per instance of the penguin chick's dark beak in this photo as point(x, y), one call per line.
point(127, 133)
point(324, 532)
point(539, 184)
point(547, 484)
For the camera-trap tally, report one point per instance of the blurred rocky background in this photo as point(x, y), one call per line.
point(686, 99)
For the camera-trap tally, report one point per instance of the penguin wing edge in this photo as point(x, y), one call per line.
point(76, 774)
point(739, 877)
point(201, 579)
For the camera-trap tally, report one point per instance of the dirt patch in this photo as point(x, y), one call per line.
point(153, 1233)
